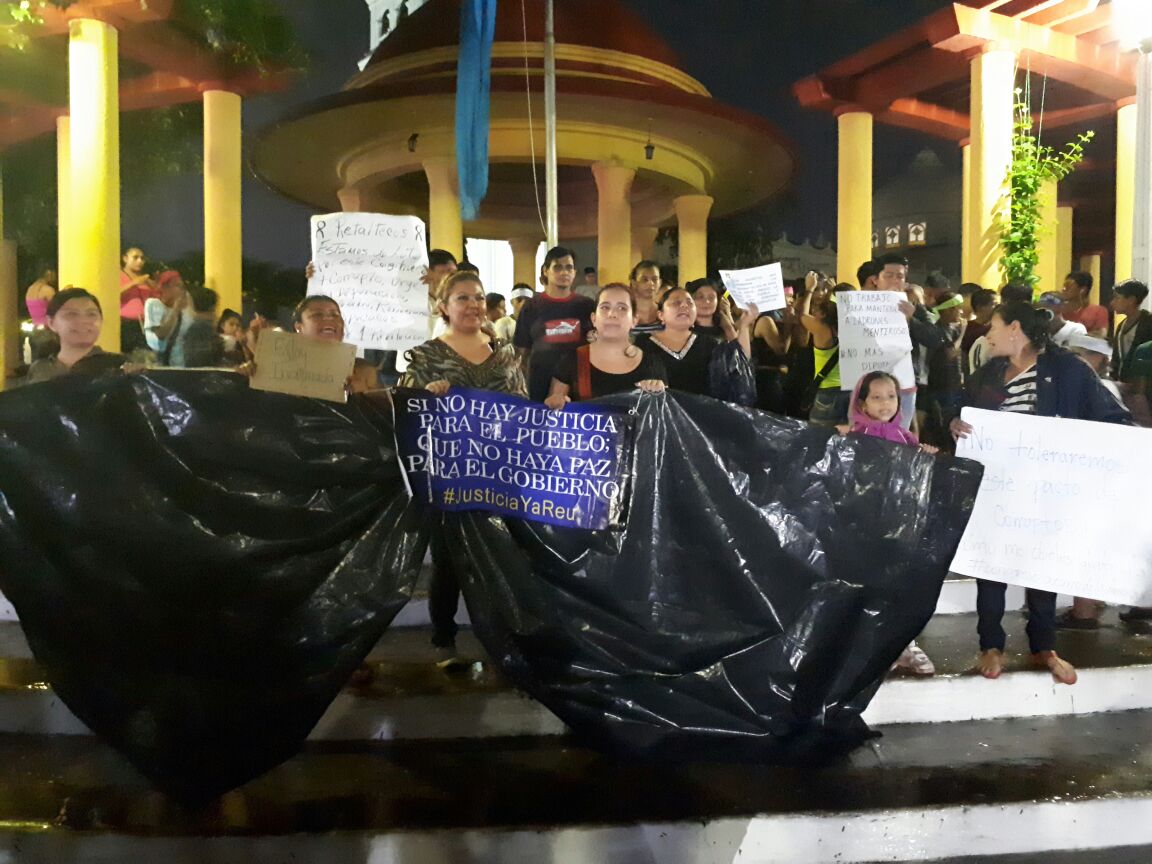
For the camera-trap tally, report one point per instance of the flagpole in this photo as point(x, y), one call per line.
point(553, 206)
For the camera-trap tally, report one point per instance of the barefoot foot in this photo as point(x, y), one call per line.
point(1062, 671)
point(990, 663)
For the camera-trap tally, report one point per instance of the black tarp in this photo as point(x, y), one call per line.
point(199, 567)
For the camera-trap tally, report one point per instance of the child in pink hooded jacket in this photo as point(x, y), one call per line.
point(875, 411)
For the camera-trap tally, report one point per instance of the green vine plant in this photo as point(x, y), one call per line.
point(1033, 165)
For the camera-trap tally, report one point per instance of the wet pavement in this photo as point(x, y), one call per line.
point(79, 783)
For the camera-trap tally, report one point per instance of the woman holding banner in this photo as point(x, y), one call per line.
point(826, 403)
point(462, 356)
point(1028, 375)
point(695, 362)
point(611, 363)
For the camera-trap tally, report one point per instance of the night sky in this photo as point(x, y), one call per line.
point(747, 52)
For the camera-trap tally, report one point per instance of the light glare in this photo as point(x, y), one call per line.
point(1132, 20)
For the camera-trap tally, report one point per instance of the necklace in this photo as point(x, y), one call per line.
point(679, 355)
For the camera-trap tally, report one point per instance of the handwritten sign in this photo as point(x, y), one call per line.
point(372, 264)
point(1062, 506)
point(873, 337)
point(299, 366)
point(763, 286)
point(478, 450)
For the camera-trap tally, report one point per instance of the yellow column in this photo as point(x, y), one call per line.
point(966, 273)
point(854, 194)
point(1125, 186)
point(223, 224)
point(1046, 248)
point(524, 260)
point(1065, 223)
point(65, 254)
point(1091, 264)
point(692, 218)
point(993, 76)
point(9, 302)
point(94, 107)
point(445, 224)
point(643, 244)
point(613, 221)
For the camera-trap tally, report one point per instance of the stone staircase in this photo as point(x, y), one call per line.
point(427, 765)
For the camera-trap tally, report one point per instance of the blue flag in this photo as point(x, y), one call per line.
point(473, 83)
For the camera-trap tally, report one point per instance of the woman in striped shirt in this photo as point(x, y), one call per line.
point(1028, 375)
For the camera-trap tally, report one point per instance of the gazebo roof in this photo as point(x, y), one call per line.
point(1069, 54)
point(918, 78)
point(160, 64)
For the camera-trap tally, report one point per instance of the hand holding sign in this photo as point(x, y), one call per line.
point(299, 366)
point(762, 287)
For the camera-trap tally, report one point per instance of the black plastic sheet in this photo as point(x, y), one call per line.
point(199, 567)
point(769, 575)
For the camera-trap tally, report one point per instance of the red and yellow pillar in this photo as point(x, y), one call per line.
point(692, 220)
point(993, 78)
point(613, 221)
point(94, 111)
point(854, 193)
point(445, 223)
point(223, 223)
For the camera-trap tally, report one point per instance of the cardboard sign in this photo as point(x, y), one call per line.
point(1063, 506)
point(372, 265)
point(873, 337)
point(763, 286)
point(299, 366)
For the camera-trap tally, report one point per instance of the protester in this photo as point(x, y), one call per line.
point(1077, 287)
point(318, 316)
point(866, 275)
point(234, 339)
point(945, 390)
point(1060, 330)
point(503, 324)
point(710, 309)
point(875, 411)
point(74, 315)
point(697, 363)
point(462, 356)
point(521, 294)
point(771, 342)
point(610, 363)
point(165, 317)
point(893, 276)
point(553, 323)
point(441, 265)
point(201, 345)
point(1135, 330)
point(980, 302)
point(1028, 375)
point(38, 295)
point(588, 287)
point(646, 287)
point(936, 284)
point(136, 288)
point(967, 290)
point(826, 403)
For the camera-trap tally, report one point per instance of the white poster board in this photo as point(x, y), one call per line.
point(873, 337)
point(372, 264)
point(763, 286)
point(1063, 506)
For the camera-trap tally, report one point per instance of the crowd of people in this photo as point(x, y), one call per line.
point(566, 340)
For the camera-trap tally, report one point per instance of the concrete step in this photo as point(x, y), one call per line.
point(922, 792)
point(411, 698)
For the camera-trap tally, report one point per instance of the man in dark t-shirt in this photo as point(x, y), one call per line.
point(553, 323)
point(551, 328)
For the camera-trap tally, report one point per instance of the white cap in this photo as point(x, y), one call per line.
point(1089, 343)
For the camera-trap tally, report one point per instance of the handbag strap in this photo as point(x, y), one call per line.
point(827, 368)
point(583, 372)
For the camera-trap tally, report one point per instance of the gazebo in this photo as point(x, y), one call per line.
point(84, 64)
point(641, 144)
point(953, 75)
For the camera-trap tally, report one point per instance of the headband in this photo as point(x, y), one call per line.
point(952, 303)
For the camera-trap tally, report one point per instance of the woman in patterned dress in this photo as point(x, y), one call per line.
point(463, 356)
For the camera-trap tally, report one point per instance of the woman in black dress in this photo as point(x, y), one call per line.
point(698, 363)
point(610, 363)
